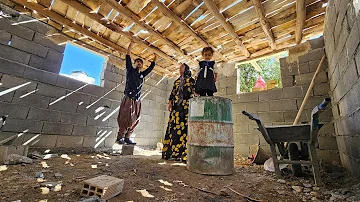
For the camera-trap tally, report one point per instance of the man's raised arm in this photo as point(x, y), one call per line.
point(151, 67)
point(127, 57)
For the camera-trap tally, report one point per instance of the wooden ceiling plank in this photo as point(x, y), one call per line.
point(227, 26)
point(264, 23)
point(300, 20)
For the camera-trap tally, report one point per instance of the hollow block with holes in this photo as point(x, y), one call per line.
point(127, 149)
point(5, 150)
point(105, 187)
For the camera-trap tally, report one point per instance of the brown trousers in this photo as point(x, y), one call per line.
point(129, 116)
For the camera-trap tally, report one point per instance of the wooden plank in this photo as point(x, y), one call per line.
point(227, 26)
point(264, 23)
point(136, 19)
point(58, 18)
point(98, 18)
point(176, 19)
point(300, 20)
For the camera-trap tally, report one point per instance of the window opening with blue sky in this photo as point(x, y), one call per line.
point(82, 64)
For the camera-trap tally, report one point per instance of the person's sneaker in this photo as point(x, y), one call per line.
point(120, 141)
point(128, 141)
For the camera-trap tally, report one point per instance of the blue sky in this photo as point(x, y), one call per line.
point(76, 58)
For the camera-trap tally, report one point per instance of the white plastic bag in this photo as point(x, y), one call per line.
point(269, 165)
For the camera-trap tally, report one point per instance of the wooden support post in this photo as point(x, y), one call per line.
point(300, 19)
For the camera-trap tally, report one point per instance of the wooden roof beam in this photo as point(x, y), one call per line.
point(300, 20)
point(98, 18)
point(211, 5)
point(264, 23)
point(137, 20)
point(176, 19)
point(60, 19)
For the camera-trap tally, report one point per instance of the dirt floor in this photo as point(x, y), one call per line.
point(146, 169)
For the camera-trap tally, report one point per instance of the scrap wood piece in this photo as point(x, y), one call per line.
point(247, 197)
point(200, 189)
point(145, 193)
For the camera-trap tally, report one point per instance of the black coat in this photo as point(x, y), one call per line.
point(205, 80)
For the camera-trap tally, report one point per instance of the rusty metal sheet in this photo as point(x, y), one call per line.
point(210, 134)
point(210, 160)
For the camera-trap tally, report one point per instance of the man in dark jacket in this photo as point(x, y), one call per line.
point(130, 107)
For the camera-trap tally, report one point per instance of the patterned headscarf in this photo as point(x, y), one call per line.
point(187, 74)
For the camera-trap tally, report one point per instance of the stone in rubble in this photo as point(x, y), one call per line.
point(39, 175)
point(92, 199)
point(307, 190)
point(298, 189)
point(307, 185)
point(58, 175)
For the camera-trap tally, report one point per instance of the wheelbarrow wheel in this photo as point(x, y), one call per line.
point(295, 156)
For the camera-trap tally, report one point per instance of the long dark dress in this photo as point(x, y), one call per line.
point(176, 133)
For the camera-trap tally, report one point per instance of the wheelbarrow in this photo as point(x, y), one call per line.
point(303, 134)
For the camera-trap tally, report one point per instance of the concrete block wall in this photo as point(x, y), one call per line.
point(46, 112)
point(280, 106)
point(342, 28)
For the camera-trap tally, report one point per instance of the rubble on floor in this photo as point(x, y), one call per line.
point(149, 178)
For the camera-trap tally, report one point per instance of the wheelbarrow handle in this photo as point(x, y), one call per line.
point(324, 103)
point(251, 116)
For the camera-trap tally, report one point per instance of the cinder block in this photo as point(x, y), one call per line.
point(305, 79)
point(352, 41)
point(327, 143)
point(20, 125)
point(44, 115)
point(12, 68)
point(112, 122)
point(55, 56)
point(78, 97)
point(114, 95)
point(71, 118)
point(32, 100)
point(93, 90)
point(13, 110)
point(327, 130)
point(13, 54)
point(231, 90)
point(84, 130)
point(315, 54)
point(357, 60)
point(57, 128)
point(41, 39)
point(6, 150)
point(28, 46)
point(283, 105)
point(63, 105)
point(108, 84)
point(248, 97)
point(69, 141)
point(20, 31)
point(287, 81)
point(127, 150)
point(69, 83)
point(328, 156)
point(35, 25)
point(272, 116)
point(241, 128)
point(109, 142)
point(111, 76)
point(317, 43)
point(295, 91)
point(105, 187)
point(257, 107)
point(96, 120)
point(5, 37)
point(40, 75)
point(7, 97)
point(314, 65)
point(93, 142)
point(347, 81)
point(321, 89)
point(45, 64)
point(276, 94)
point(12, 81)
point(50, 91)
point(40, 140)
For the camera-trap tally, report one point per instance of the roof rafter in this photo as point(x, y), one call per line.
point(211, 5)
point(137, 20)
point(168, 13)
point(300, 20)
point(60, 19)
point(98, 18)
point(264, 23)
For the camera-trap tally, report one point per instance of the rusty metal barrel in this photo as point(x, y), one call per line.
point(210, 136)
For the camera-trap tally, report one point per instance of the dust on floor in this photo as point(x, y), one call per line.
point(148, 171)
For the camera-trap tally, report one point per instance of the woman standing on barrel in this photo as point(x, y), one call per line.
point(176, 132)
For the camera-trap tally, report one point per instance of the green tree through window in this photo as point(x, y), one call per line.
point(270, 70)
